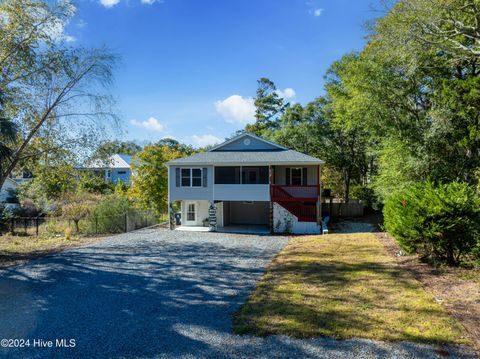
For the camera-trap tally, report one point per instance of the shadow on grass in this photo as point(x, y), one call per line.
point(307, 293)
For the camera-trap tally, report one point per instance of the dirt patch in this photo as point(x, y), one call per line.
point(457, 289)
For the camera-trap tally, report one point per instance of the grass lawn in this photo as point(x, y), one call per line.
point(15, 249)
point(344, 285)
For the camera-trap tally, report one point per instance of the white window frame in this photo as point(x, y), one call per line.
point(291, 175)
point(191, 176)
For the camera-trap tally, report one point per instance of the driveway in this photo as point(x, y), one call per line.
point(157, 293)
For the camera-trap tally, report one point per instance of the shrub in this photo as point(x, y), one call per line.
point(442, 221)
point(78, 206)
point(93, 183)
point(109, 214)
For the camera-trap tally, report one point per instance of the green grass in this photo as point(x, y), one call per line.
point(343, 285)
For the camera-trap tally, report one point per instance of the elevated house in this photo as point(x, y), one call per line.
point(115, 169)
point(248, 182)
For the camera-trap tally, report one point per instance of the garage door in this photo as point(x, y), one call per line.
point(249, 212)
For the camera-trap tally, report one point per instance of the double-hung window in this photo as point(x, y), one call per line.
point(191, 177)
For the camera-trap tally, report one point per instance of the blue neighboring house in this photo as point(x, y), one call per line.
point(116, 169)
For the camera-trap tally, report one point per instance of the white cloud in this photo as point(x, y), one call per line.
point(81, 23)
point(205, 140)
point(317, 12)
point(237, 109)
point(109, 3)
point(150, 2)
point(286, 93)
point(151, 124)
point(69, 38)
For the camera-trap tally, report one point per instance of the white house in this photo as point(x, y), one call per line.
point(251, 182)
point(115, 169)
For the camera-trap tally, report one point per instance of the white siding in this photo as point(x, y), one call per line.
point(202, 212)
point(286, 222)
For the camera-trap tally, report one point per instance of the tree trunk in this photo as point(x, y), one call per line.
point(347, 177)
point(77, 228)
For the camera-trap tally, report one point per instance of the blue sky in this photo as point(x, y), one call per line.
point(189, 67)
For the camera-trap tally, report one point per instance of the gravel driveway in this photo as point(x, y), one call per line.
point(158, 293)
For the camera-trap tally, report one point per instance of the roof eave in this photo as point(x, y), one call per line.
point(275, 163)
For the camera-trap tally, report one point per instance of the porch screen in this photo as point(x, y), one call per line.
point(227, 175)
point(255, 175)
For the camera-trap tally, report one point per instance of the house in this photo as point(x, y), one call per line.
point(8, 198)
point(117, 168)
point(21, 176)
point(8, 187)
point(248, 181)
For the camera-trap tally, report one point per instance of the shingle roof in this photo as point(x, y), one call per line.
point(246, 157)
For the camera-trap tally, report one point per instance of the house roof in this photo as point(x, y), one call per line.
point(12, 183)
point(246, 134)
point(115, 161)
point(216, 156)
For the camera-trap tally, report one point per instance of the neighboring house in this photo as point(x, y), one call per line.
point(115, 169)
point(248, 181)
point(8, 187)
point(8, 198)
point(20, 177)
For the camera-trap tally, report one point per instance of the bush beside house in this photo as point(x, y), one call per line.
point(439, 222)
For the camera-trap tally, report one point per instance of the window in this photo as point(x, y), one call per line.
point(185, 177)
point(255, 175)
point(108, 173)
point(191, 212)
point(122, 172)
point(191, 177)
point(227, 175)
point(296, 176)
point(196, 177)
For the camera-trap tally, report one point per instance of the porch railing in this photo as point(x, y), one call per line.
point(294, 193)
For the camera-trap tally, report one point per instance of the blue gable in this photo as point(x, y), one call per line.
point(247, 142)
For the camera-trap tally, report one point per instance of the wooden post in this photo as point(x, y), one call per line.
point(319, 199)
point(270, 214)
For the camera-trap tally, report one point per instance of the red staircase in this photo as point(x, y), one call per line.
point(305, 209)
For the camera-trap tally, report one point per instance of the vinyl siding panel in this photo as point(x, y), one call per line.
point(190, 193)
point(239, 192)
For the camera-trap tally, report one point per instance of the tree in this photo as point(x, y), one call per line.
point(269, 106)
point(174, 145)
point(303, 128)
point(77, 207)
point(420, 73)
point(348, 142)
point(49, 91)
point(8, 135)
point(109, 148)
point(150, 180)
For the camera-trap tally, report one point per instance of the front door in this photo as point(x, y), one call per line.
point(191, 214)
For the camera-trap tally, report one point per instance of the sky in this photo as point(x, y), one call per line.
point(189, 68)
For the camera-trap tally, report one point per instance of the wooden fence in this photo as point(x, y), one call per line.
point(336, 209)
